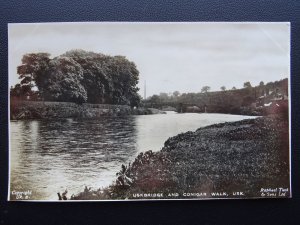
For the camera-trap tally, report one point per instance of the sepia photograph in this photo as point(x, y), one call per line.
point(106, 111)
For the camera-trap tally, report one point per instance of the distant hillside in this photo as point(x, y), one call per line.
point(235, 101)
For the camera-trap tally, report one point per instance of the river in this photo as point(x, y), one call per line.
point(49, 156)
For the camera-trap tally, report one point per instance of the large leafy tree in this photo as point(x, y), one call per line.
point(95, 74)
point(124, 78)
point(81, 76)
point(63, 81)
point(33, 68)
point(108, 79)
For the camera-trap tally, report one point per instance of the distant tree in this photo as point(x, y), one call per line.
point(285, 86)
point(154, 99)
point(20, 91)
point(233, 88)
point(261, 88)
point(247, 84)
point(205, 89)
point(16, 91)
point(163, 97)
point(223, 88)
point(176, 94)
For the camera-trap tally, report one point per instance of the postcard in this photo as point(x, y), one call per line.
point(113, 111)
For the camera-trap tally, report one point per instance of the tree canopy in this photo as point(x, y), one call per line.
point(247, 84)
point(205, 89)
point(223, 88)
point(81, 76)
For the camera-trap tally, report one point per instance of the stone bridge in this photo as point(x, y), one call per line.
point(179, 106)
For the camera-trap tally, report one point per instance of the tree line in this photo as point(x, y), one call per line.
point(78, 76)
point(223, 101)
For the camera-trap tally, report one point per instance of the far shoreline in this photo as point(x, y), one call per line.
point(26, 110)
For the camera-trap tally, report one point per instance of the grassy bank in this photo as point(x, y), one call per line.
point(240, 156)
point(21, 110)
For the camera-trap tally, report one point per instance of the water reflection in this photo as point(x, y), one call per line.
point(50, 156)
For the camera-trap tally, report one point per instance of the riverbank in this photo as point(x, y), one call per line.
point(21, 110)
point(242, 156)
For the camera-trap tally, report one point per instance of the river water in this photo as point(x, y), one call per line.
point(49, 156)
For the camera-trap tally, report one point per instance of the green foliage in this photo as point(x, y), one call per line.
point(80, 76)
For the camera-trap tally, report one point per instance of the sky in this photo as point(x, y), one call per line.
point(170, 57)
